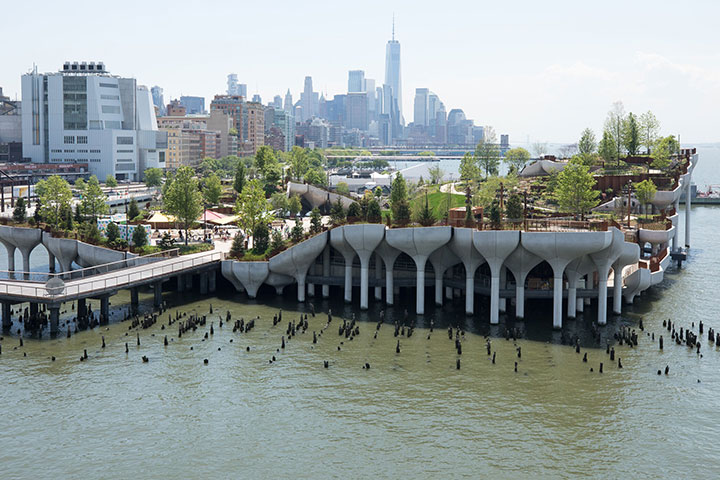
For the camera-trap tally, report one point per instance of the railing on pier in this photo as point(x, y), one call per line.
point(123, 278)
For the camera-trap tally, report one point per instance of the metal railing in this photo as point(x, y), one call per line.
point(111, 280)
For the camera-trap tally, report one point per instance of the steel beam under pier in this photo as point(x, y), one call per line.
point(157, 290)
point(54, 319)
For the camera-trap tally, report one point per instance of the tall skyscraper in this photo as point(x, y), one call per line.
point(235, 88)
point(158, 100)
point(356, 81)
point(277, 102)
point(193, 105)
point(392, 71)
point(420, 117)
point(288, 102)
point(82, 114)
point(309, 101)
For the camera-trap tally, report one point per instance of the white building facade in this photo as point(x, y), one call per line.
point(82, 114)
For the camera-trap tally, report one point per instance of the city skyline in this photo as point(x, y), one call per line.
point(497, 69)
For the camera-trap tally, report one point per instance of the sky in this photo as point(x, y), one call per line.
point(539, 71)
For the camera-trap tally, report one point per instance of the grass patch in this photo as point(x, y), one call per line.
point(438, 203)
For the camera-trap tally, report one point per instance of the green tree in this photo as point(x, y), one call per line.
point(276, 241)
point(337, 213)
point(645, 192)
point(374, 213)
point(110, 181)
point(252, 207)
point(425, 216)
point(55, 196)
point(649, 130)
point(183, 199)
point(378, 191)
point(514, 207)
point(315, 221)
point(264, 158)
point(212, 189)
point(436, 174)
point(468, 168)
point(237, 249)
point(587, 143)
point(614, 126)
point(78, 213)
point(139, 237)
point(495, 216)
point(631, 134)
point(342, 188)
point(299, 162)
point(297, 233)
point(487, 153)
point(516, 159)
point(294, 205)
point(354, 210)
point(469, 214)
point(315, 176)
point(663, 151)
point(133, 209)
point(89, 232)
point(37, 215)
point(607, 147)
point(261, 238)
point(94, 201)
point(271, 178)
point(574, 190)
point(153, 177)
point(20, 212)
point(240, 175)
point(279, 203)
point(79, 185)
point(399, 200)
point(112, 232)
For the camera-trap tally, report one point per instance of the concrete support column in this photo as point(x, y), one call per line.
point(469, 292)
point(326, 271)
point(572, 297)
point(180, 283)
point(51, 262)
point(503, 283)
point(688, 204)
point(617, 290)
point(212, 279)
point(389, 285)
point(81, 307)
point(26, 262)
point(54, 318)
point(448, 293)
point(378, 277)
point(203, 283)
point(676, 235)
point(420, 261)
point(580, 303)
point(34, 309)
point(11, 255)
point(602, 299)
point(105, 308)
point(364, 279)
point(157, 294)
point(189, 281)
point(301, 286)
point(589, 284)
point(348, 281)
point(495, 297)
point(520, 298)
point(557, 300)
point(6, 316)
point(311, 289)
point(439, 287)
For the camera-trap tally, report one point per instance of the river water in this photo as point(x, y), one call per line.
point(411, 415)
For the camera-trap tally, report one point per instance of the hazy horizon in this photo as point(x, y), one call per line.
point(538, 72)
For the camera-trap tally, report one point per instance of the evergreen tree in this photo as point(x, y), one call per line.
point(374, 213)
point(78, 213)
point(469, 217)
point(37, 216)
point(607, 147)
point(94, 201)
point(354, 211)
point(133, 210)
point(426, 217)
point(495, 216)
point(587, 143)
point(20, 212)
point(297, 233)
point(399, 200)
point(261, 238)
point(139, 236)
point(237, 249)
point(315, 221)
point(276, 241)
point(294, 205)
point(514, 207)
point(337, 214)
point(240, 174)
point(112, 232)
point(631, 134)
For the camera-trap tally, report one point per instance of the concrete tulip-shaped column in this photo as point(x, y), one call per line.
point(419, 244)
point(25, 239)
point(521, 262)
point(337, 240)
point(462, 246)
point(603, 261)
point(326, 270)
point(378, 277)
point(64, 249)
point(559, 249)
point(574, 271)
point(296, 260)
point(629, 256)
point(10, 249)
point(495, 246)
point(441, 259)
point(249, 274)
point(364, 239)
point(388, 255)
